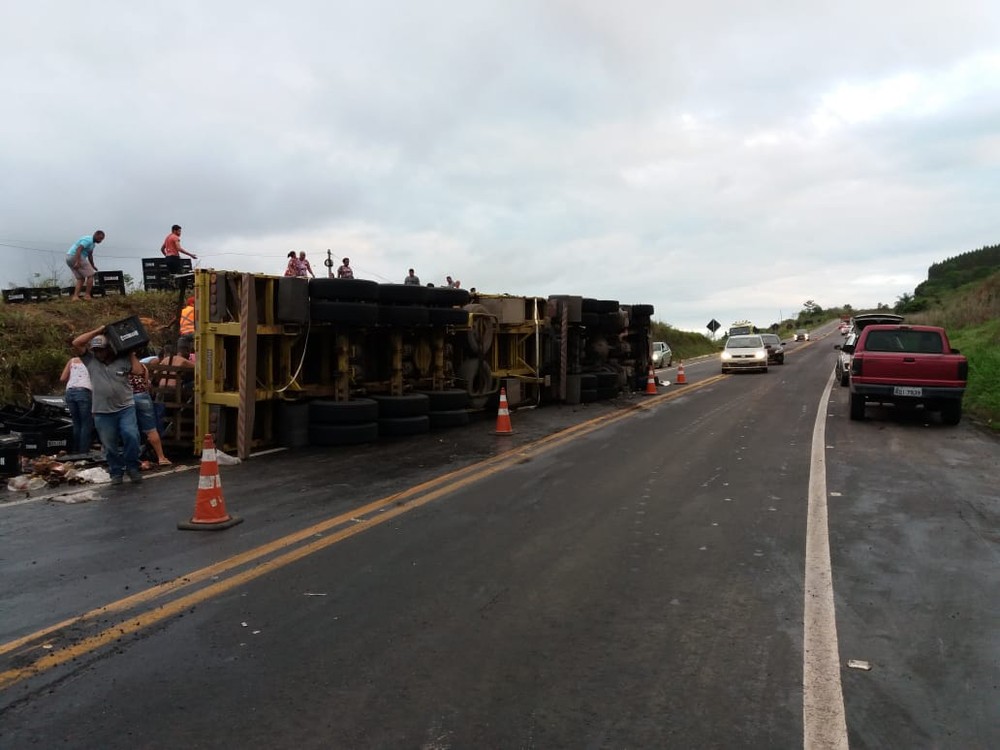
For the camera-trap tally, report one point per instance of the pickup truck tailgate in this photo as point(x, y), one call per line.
point(904, 368)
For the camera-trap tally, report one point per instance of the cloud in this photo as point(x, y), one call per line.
point(714, 162)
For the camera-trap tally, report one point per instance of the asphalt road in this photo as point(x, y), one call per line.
point(637, 579)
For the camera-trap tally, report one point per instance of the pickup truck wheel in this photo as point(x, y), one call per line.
point(951, 413)
point(857, 407)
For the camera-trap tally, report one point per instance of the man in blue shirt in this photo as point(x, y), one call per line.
point(80, 259)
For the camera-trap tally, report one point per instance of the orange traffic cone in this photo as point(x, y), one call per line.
point(651, 382)
point(503, 415)
point(681, 378)
point(209, 505)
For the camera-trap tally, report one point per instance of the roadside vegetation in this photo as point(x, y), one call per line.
point(34, 338)
point(962, 294)
point(684, 344)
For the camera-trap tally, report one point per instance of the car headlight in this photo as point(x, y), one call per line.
point(727, 355)
point(759, 355)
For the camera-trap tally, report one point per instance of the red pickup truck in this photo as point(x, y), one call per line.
point(908, 365)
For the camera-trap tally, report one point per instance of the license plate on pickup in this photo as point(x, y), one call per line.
point(903, 390)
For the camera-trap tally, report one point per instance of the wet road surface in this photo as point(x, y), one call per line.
point(635, 580)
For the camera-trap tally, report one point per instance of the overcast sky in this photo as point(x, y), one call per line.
point(716, 159)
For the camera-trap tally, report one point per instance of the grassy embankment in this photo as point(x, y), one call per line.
point(34, 337)
point(684, 344)
point(971, 315)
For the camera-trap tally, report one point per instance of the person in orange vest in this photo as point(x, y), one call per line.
point(187, 324)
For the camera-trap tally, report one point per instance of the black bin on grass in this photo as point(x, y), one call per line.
point(17, 296)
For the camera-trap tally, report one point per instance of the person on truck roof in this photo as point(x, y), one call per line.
point(80, 259)
point(345, 271)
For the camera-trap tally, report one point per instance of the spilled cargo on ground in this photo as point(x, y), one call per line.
point(293, 362)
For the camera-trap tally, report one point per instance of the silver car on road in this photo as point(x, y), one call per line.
point(744, 353)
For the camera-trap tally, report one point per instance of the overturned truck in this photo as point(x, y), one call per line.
point(293, 362)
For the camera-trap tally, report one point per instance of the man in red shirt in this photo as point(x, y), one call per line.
point(172, 250)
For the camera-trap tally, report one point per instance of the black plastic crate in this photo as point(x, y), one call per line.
point(127, 334)
point(112, 290)
point(154, 264)
point(49, 407)
point(17, 296)
point(10, 455)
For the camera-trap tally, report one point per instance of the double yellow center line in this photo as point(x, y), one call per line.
point(43, 651)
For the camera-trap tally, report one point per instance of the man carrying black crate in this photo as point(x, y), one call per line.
point(172, 249)
point(113, 402)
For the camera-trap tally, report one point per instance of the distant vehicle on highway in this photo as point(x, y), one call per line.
point(859, 322)
point(802, 335)
point(744, 353)
point(662, 355)
point(775, 348)
point(742, 328)
point(842, 370)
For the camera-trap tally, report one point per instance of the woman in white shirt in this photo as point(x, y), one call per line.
point(79, 400)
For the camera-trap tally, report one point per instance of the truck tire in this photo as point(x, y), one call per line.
point(403, 315)
point(482, 328)
point(857, 407)
point(444, 296)
point(403, 294)
point(346, 313)
point(343, 434)
point(344, 290)
point(402, 426)
point(951, 413)
point(407, 405)
point(447, 316)
point(479, 382)
point(845, 379)
point(447, 400)
point(355, 411)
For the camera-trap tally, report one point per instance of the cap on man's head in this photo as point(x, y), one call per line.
point(190, 301)
point(99, 342)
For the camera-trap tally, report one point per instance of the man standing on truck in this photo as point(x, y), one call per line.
point(80, 259)
point(172, 249)
point(345, 271)
point(412, 279)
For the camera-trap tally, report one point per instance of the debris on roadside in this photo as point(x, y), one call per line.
point(859, 664)
point(73, 498)
point(49, 471)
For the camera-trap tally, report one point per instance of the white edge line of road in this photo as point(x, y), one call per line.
point(824, 722)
